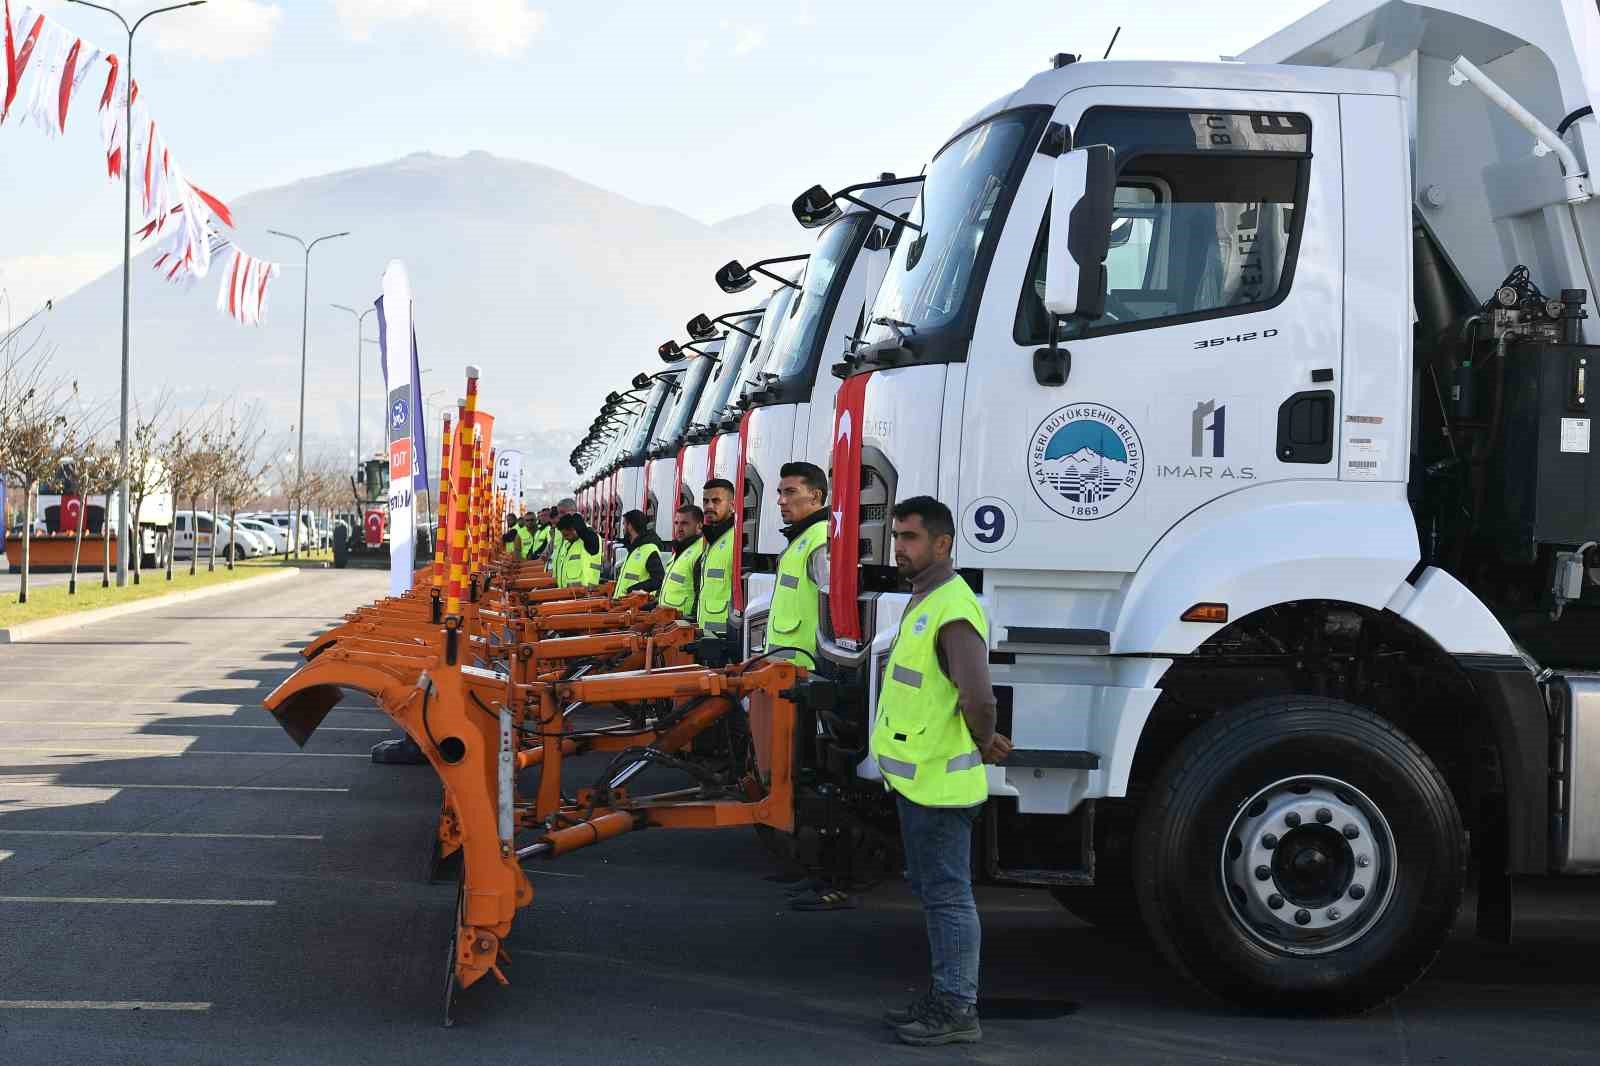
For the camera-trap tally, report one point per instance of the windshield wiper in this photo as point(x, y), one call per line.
point(905, 329)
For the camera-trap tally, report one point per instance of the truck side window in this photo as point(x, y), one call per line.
point(1206, 224)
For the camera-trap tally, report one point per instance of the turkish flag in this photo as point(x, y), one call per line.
point(844, 547)
point(374, 528)
point(738, 511)
point(71, 513)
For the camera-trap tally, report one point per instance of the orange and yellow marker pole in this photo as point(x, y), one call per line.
point(440, 532)
point(463, 495)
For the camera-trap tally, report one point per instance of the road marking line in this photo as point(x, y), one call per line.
point(208, 788)
point(156, 753)
point(186, 725)
point(128, 899)
point(99, 1004)
point(167, 836)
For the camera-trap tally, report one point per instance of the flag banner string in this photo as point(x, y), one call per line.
point(46, 68)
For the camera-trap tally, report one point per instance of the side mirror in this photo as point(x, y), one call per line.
point(1080, 232)
point(670, 352)
point(733, 277)
point(613, 398)
point(641, 380)
point(700, 327)
point(815, 208)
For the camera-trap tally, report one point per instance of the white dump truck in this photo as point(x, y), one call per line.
point(1259, 391)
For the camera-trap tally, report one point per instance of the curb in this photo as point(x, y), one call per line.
point(44, 626)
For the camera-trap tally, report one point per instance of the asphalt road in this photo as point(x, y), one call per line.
point(164, 847)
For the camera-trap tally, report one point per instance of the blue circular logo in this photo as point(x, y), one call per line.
point(398, 414)
point(1085, 461)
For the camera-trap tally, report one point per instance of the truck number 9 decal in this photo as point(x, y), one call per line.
point(990, 524)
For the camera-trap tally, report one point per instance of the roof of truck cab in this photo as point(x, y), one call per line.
point(1049, 86)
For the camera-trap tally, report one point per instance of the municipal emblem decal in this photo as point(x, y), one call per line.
point(1085, 461)
point(920, 625)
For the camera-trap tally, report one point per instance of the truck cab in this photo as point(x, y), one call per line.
point(658, 498)
point(1258, 393)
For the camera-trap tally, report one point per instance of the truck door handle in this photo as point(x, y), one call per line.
point(1305, 427)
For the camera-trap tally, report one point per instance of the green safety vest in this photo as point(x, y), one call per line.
point(792, 621)
point(541, 541)
point(677, 590)
point(636, 569)
point(578, 565)
point(920, 740)
point(524, 543)
point(716, 584)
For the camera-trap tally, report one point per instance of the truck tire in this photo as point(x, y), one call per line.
point(341, 547)
point(1300, 854)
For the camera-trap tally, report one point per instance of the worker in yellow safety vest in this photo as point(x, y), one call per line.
point(716, 565)
point(580, 555)
point(934, 731)
point(803, 566)
point(558, 543)
point(681, 589)
point(642, 570)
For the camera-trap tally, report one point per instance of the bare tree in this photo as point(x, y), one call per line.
point(95, 467)
point(39, 437)
point(242, 472)
point(177, 455)
point(147, 476)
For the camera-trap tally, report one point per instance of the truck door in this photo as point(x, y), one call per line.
point(1216, 366)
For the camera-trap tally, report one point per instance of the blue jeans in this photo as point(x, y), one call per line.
point(938, 843)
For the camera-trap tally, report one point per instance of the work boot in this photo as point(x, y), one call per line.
point(942, 1022)
point(895, 1017)
point(401, 752)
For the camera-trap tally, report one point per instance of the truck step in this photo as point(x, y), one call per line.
point(1046, 640)
point(1053, 759)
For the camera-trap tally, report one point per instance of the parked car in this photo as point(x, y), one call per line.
point(277, 536)
point(242, 544)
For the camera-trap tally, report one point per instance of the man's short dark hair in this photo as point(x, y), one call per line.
point(636, 520)
point(718, 483)
point(936, 517)
point(810, 473)
point(693, 511)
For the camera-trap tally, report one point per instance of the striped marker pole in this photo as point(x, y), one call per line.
point(463, 495)
point(440, 532)
point(475, 498)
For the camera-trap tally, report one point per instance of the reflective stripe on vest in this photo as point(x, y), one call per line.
point(636, 569)
point(677, 591)
point(579, 566)
point(792, 622)
point(920, 740)
point(716, 587)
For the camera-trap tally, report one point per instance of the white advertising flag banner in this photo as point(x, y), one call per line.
point(508, 480)
point(395, 316)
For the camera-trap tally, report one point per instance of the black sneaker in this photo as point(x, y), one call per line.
point(895, 1017)
point(942, 1022)
point(401, 752)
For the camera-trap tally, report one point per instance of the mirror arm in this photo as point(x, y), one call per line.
point(781, 280)
point(880, 212)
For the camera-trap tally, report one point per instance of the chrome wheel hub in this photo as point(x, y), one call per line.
point(1308, 865)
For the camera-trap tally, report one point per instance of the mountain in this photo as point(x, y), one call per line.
point(559, 290)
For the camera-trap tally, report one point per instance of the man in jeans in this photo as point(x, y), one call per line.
point(933, 734)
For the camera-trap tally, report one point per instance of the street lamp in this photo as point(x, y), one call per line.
point(305, 308)
point(361, 318)
point(127, 260)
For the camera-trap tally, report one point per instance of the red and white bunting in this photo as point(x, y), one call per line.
point(46, 67)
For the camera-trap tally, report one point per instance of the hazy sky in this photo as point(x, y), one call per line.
point(712, 108)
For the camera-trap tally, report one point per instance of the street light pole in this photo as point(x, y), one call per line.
point(361, 319)
point(300, 426)
point(123, 548)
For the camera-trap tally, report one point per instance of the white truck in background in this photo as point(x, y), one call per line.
point(1260, 394)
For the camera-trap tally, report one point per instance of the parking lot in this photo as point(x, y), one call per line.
point(179, 884)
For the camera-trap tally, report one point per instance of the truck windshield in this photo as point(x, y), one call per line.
point(639, 434)
point(804, 327)
point(694, 379)
point(773, 321)
point(931, 272)
point(734, 350)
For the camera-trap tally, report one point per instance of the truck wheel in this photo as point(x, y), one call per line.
point(1300, 854)
point(341, 547)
